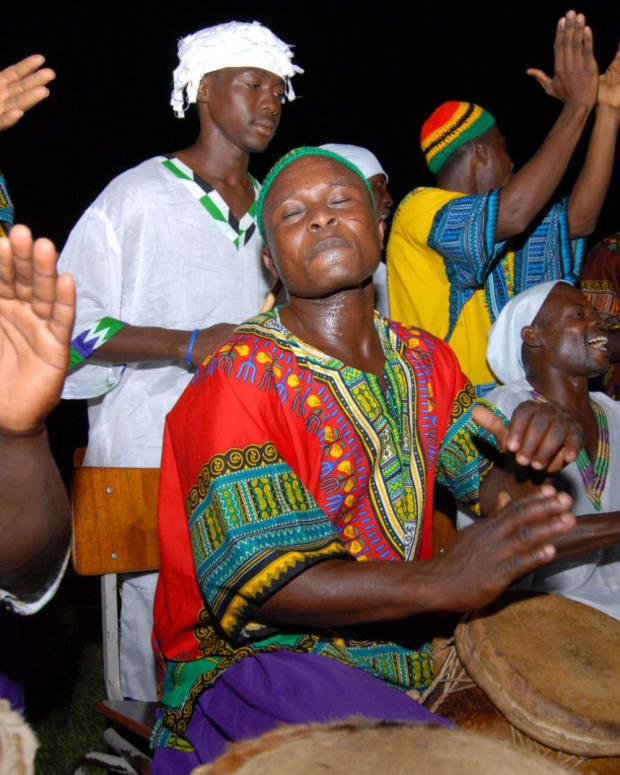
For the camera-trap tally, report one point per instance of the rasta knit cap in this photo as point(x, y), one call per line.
point(297, 153)
point(448, 127)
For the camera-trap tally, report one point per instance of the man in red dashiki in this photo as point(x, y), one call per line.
point(281, 460)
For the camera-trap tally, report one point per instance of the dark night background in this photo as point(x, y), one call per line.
point(371, 78)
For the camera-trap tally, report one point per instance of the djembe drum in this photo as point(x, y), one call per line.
point(366, 748)
point(542, 672)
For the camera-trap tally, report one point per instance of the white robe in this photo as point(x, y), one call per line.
point(148, 253)
point(592, 578)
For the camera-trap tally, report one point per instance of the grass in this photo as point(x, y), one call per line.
point(63, 676)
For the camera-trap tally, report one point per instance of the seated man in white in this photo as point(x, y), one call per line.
point(546, 344)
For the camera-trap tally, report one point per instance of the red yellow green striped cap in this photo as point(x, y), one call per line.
point(451, 125)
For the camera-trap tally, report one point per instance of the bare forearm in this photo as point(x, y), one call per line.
point(593, 531)
point(35, 517)
point(143, 343)
point(338, 593)
point(588, 195)
point(149, 343)
point(532, 186)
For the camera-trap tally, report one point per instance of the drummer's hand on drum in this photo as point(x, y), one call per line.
point(488, 556)
point(539, 435)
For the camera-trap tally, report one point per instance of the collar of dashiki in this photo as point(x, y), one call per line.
point(239, 232)
point(593, 472)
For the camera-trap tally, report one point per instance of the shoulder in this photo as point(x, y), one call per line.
point(148, 173)
point(422, 346)
point(425, 199)
point(610, 407)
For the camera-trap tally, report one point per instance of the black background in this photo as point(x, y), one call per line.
point(371, 78)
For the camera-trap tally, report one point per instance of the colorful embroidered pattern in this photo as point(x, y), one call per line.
point(240, 232)
point(593, 474)
point(463, 232)
point(334, 466)
point(7, 212)
point(85, 343)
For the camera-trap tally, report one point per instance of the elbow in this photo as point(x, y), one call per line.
point(582, 227)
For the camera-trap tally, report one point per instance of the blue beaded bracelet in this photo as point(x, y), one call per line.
point(190, 346)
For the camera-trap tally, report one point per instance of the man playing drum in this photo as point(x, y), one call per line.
point(295, 507)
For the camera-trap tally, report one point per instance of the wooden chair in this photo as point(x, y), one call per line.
point(115, 531)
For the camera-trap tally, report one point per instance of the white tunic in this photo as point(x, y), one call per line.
point(148, 253)
point(592, 578)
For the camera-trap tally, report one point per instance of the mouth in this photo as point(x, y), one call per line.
point(598, 343)
point(265, 126)
point(330, 243)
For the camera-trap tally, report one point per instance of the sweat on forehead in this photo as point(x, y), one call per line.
point(297, 153)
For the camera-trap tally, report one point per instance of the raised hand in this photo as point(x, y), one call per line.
point(488, 556)
point(609, 84)
point(575, 76)
point(22, 86)
point(37, 310)
point(539, 435)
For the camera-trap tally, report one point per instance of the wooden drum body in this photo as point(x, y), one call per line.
point(551, 667)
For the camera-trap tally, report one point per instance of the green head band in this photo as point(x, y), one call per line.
point(297, 153)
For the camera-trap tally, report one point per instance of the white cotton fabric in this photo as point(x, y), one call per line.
point(232, 44)
point(364, 160)
point(35, 602)
point(504, 347)
point(147, 252)
point(592, 578)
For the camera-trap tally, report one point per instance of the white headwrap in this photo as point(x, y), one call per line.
point(363, 159)
point(232, 44)
point(505, 343)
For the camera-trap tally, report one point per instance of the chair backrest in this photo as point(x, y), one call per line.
point(115, 520)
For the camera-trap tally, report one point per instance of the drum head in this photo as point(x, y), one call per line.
point(367, 748)
point(552, 667)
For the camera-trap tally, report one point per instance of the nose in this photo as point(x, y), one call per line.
point(321, 218)
point(387, 198)
point(270, 103)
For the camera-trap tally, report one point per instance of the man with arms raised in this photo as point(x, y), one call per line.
point(295, 499)
point(459, 251)
point(166, 261)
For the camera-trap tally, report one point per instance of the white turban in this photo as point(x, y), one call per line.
point(505, 343)
point(232, 44)
point(363, 159)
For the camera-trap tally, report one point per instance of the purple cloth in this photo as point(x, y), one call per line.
point(11, 661)
point(263, 691)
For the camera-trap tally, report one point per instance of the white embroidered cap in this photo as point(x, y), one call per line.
point(232, 44)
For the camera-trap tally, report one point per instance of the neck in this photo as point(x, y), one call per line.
point(341, 325)
point(458, 179)
point(568, 392)
point(216, 159)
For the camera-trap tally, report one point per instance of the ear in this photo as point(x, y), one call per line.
point(530, 336)
point(481, 151)
point(381, 227)
point(268, 261)
point(202, 95)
